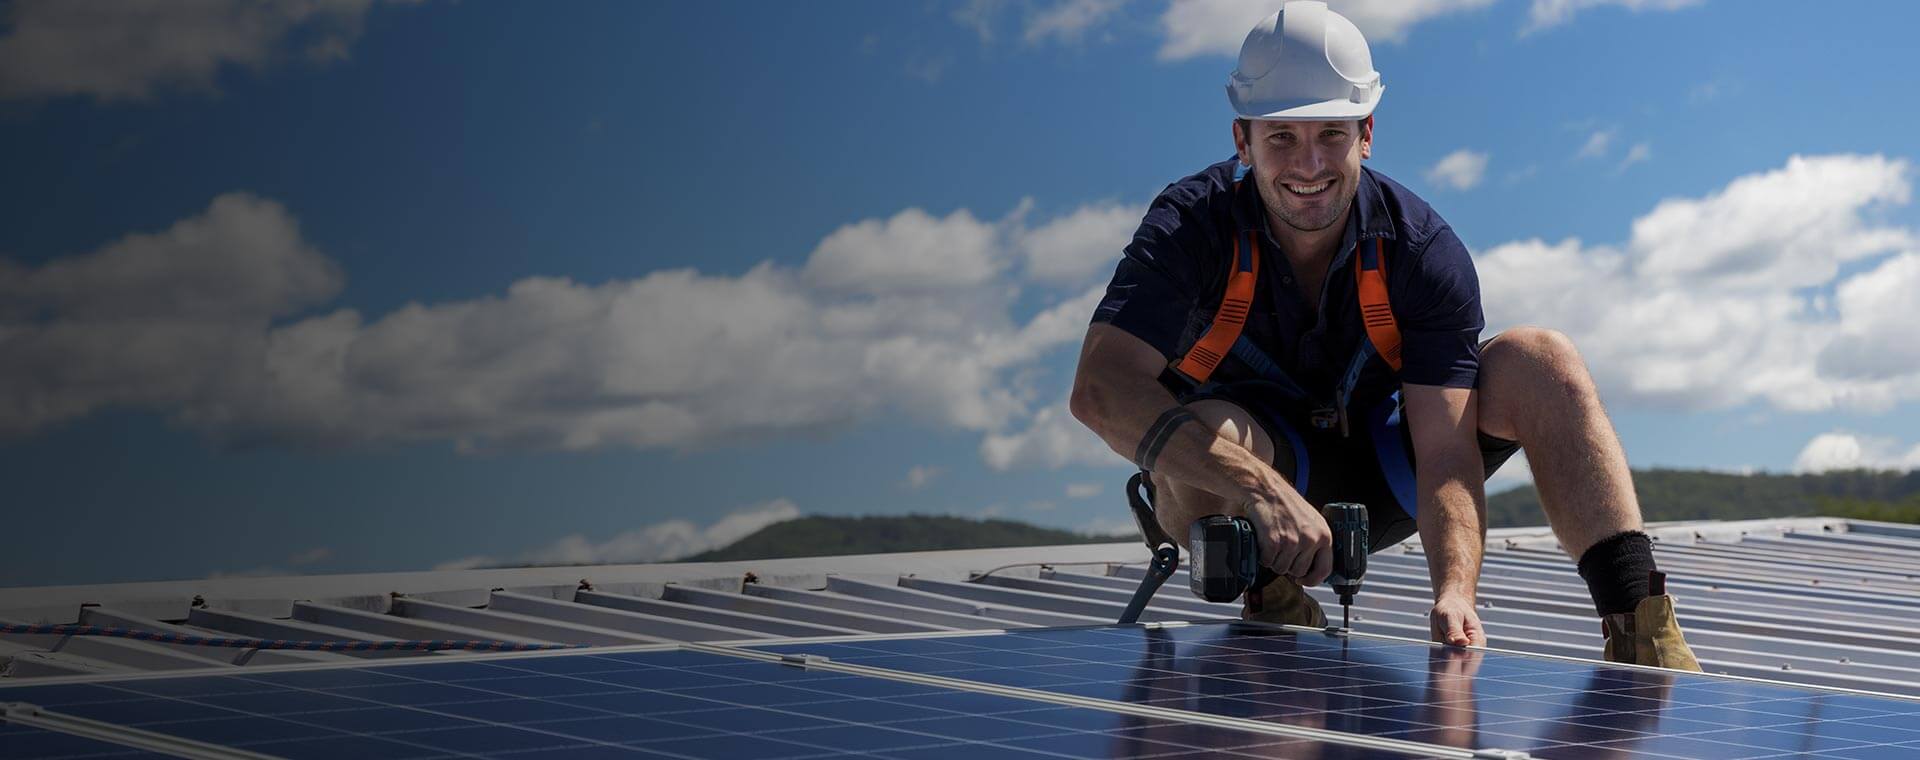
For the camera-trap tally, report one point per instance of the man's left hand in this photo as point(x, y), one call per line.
point(1453, 621)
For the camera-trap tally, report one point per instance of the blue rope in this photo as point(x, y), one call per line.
point(163, 637)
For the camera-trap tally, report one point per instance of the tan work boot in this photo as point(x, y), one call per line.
point(1283, 602)
point(1650, 635)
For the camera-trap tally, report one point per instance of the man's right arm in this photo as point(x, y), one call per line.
point(1117, 393)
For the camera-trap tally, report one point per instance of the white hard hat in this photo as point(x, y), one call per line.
point(1305, 63)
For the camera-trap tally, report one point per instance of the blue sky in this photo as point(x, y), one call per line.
point(396, 286)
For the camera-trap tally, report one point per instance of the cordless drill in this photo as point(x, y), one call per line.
point(1226, 556)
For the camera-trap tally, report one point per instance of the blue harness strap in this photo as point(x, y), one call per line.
point(1301, 466)
point(1264, 366)
point(1391, 450)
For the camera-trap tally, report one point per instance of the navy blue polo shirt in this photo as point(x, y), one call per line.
point(1170, 282)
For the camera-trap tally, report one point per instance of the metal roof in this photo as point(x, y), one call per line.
point(1810, 600)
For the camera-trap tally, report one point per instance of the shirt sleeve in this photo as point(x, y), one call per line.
point(1439, 314)
point(1153, 288)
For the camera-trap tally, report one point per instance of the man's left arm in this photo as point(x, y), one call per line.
point(1436, 300)
point(1452, 513)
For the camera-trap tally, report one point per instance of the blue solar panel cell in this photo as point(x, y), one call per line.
point(666, 704)
point(1875, 752)
point(332, 747)
point(374, 720)
point(139, 710)
point(244, 729)
point(1409, 691)
point(26, 741)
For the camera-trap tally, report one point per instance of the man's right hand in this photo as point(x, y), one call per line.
point(1295, 540)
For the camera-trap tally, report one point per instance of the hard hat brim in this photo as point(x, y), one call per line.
point(1339, 109)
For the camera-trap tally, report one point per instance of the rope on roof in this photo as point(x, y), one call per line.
point(165, 637)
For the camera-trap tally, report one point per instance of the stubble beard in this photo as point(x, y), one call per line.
point(1307, 221)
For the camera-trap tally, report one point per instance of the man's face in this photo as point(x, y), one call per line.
point(1307, 172)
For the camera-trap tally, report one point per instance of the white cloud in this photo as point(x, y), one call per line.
point(1874, 340)
point(1460, 170)
point(1053, 440)
point(660, 542)
point(209, 323)
point(1069, 20)
point(1549, 13)
point(1846, 451)
point(1708, 303)
point(155, 319)
point(129, 50)
point(1596, 144)
point(467, 563)
point(1109, 526)
point(1084, 490)
point(919, 475)
point(978, 16)
point(1786, 228)
point(263, 571)
point(909, 251)
point(1639, 153)
point(1196, 28)
point(241, 259)
point(1080, 246)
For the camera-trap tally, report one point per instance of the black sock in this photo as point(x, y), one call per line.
point(1616, 571)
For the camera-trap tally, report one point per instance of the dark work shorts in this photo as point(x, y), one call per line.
point(1373, 465)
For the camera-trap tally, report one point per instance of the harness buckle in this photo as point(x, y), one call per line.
point(1326, 418)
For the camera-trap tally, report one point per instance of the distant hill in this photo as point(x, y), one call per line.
point(828, 536)
point(1664, 495)
point(1695, 495)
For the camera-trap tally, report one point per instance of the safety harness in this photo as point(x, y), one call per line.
point(1223, 337)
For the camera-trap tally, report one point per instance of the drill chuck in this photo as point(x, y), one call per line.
point(1350, 545)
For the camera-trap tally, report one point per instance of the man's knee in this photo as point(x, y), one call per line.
point(1534, 355)
point(1530, 374)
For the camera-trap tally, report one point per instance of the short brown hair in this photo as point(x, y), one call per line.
point(1246, 126)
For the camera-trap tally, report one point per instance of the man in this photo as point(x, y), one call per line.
point(1288, 328)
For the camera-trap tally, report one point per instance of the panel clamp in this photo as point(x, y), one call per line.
point(800, 660)
point(10, 711)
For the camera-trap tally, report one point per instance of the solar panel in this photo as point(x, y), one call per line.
point(26, 741)
point(1409, 691)
point(1226, 689)
point(633, 704)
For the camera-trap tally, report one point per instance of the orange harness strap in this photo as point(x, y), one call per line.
point(1375, 312)
point(1383, 331)
point(1213, 345)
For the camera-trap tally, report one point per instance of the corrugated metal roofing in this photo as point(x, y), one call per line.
point(1819, 601)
